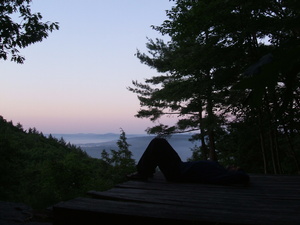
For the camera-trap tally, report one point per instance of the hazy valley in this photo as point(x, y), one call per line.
point(93, 144)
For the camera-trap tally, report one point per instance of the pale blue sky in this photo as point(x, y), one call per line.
point(75, 80)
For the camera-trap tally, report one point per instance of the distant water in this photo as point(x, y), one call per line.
point(93, 144)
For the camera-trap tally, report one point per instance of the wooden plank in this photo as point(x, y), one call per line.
point(85, 211)
point(268, 200)
point(277, 191)
point(232, 198)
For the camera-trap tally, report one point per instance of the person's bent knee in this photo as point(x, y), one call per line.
point(158, 140)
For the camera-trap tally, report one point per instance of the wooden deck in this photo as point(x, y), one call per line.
point(267, 200)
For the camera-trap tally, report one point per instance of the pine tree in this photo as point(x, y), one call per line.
point(226, 60)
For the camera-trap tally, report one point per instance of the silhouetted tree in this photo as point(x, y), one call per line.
point(121, 159)
point(19, 28)
point(227, 60)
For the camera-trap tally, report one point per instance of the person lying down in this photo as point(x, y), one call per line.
point(160, 153)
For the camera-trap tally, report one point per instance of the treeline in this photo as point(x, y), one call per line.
point(41, 171)
point(230, 70)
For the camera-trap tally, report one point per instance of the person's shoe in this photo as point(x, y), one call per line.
point(137, 176)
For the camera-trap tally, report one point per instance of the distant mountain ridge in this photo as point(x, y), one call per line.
point(93, 144)
point(84, 138)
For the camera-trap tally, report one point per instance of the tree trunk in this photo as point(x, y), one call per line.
point(210, 117)
point(262, 144)
point(212, 147)
point(292, 150)
point(211, 124)
point(272, 150)
point(277, 152)
point(204, 149)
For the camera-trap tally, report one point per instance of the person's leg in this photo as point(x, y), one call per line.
point(231, 177)
point(212, 172)
point(159, 153)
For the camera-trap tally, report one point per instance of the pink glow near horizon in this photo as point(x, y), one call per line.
point(51, 125)
point(75, 80)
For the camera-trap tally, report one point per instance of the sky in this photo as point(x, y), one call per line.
point(76, 80)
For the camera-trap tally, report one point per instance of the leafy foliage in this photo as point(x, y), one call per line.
point(41, 171)
point(27, 28)
point(120, 160)
point(228, 64)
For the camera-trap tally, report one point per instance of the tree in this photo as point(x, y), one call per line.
point(41, 171)
point(120, 160)
point(194, 61)
point(212, 70)
point(27, 29)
